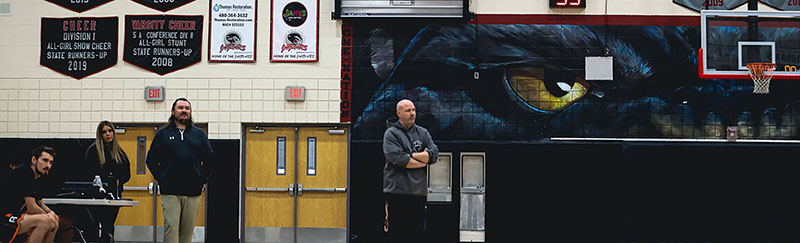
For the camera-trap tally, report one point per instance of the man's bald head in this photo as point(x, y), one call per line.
point(403, 102)
point(406, 112)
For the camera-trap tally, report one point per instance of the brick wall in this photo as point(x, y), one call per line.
point(64, 108)
point(36, 102)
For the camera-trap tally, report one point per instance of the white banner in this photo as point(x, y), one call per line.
point(295, 27)
point(233, 31)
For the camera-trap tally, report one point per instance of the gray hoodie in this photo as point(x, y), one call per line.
point(398, 145)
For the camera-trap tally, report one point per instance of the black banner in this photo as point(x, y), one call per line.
point(79, 47)
point(163, 5)
point(79, 5)
point(785, 5)
point(163, 43)
point(698, 5)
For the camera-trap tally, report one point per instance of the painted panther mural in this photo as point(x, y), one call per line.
point(525, 83)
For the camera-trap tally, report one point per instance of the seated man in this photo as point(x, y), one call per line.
point(18, 186)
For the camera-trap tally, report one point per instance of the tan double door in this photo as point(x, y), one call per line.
point(141, 223)
point(295, 184)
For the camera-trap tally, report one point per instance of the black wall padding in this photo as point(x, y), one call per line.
point(608, 192)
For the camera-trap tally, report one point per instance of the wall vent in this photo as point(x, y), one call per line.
point(404, 9)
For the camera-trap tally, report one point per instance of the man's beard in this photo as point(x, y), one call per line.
point(182, 121)
point(39, 172)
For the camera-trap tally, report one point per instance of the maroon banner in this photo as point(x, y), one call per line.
point(347, 72)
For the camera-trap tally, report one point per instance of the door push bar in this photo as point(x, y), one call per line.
point(148, 188)
point(292, 190)
point(300, 189)
point(289, 189)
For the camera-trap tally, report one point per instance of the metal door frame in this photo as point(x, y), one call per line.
point(153, 187)
point(296, 189)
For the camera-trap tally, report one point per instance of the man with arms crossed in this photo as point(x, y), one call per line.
point(18, 188)
point(408, 149)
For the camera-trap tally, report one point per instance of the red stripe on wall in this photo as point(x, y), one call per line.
point(658, 20)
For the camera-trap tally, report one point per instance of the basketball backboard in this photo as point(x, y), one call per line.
point(731, 39)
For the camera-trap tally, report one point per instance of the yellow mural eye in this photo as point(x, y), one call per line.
point(529, 85)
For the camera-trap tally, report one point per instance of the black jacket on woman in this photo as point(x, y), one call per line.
point(120, 171)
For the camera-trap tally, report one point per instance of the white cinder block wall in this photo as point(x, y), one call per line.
point(36, 102)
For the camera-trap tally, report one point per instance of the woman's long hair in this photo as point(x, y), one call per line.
point(116, 150)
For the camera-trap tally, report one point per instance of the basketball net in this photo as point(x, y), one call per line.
point(761, 73)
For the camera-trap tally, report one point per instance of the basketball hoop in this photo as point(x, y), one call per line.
point(761, 73)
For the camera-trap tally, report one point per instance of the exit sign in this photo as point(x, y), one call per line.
point(568, 3)
point(295, 93)
point(154, 93)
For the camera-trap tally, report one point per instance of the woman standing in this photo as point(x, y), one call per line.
point(107, 159)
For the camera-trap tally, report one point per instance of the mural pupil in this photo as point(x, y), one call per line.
point(558, 83)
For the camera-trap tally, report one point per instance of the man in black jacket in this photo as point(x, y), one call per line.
point(408, 150)
point(179, 160)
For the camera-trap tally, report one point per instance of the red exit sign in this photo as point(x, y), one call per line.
point(295, 93)
point(154, 93)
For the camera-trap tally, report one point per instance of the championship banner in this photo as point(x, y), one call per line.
point(79, 47)
point(163, 43)
point(294, 32)
point(699, 5)
point(79, 5)
point(233, 31)
point(160, 5)
point(785, 5)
